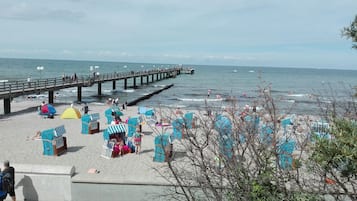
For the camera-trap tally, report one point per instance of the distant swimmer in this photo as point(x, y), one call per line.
point(208, 93)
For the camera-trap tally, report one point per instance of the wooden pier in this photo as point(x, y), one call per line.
point(12, 89)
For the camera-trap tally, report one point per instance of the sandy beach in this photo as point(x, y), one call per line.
point(84, 151)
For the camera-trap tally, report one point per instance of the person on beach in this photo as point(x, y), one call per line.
point(3, 194)
point(11, 170)
point(245, 112)
point(178, 111)
point(116, 101)
point(137, 137)
point(85, 108)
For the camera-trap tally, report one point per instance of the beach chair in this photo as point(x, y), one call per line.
point(116, 132)
point(163, 148)
point(286, 123)
point(108, 115)
point(90, 123)
point(177, 127)
point(285, 151)
point(224, 127)
point(111, 112)
point(149, 117)
point(133, 123)
point(188, 118)
point(320, 130)
point(251, 123)
point(266, 133)
point(54, 143)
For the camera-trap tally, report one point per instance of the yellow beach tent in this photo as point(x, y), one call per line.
point(71, 113)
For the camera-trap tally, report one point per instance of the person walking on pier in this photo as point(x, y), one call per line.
point(29, 81)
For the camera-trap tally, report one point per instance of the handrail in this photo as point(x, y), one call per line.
point(40, 84)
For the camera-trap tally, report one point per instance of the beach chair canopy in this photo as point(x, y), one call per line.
point(59, 131)
point(118, 128)
point(114, 110)
point(149, 112)
point(146, 111)
point(71, 113)
point(48, 109)
point(94, 117)
point(223, 125)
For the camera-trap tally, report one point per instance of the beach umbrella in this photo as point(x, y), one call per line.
point(71, 113)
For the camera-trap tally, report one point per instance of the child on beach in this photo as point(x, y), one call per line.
point(137, 141)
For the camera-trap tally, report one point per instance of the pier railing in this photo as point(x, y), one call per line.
point(24, 86)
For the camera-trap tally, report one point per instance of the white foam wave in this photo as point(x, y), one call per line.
point(298, 95)
point(201, 99)
point(128, 90)
point(173, 106)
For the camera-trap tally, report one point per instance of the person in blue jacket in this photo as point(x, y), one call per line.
point(3, 194)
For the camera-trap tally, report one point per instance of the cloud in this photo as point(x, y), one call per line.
point(32, 12)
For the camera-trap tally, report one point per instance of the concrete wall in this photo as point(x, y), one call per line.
point(43, 182)
point(109, 192)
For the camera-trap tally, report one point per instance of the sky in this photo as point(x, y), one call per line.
point(279, 33)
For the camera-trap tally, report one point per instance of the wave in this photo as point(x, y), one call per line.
point(159, 85)
point(201, 99)
point(299, 95)
point(173, 106)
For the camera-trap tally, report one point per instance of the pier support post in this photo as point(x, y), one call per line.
point(7, 107)
point(134, 82)
point(141, 80)
point(50, 97)
point(99, 89)
point(79, 94)
point(157, 77)
point(152, 77)
point(147, 79)
point(125, 83)
point(114, 84)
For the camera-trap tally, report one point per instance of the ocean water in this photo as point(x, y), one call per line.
point(291, 87)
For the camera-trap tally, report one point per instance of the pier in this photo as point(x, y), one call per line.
point(12, 89)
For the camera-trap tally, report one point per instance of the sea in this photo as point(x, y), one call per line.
point(293, 89)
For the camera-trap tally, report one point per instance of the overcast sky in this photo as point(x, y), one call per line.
point(282, 33)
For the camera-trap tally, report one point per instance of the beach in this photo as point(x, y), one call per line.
point(84, 151)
